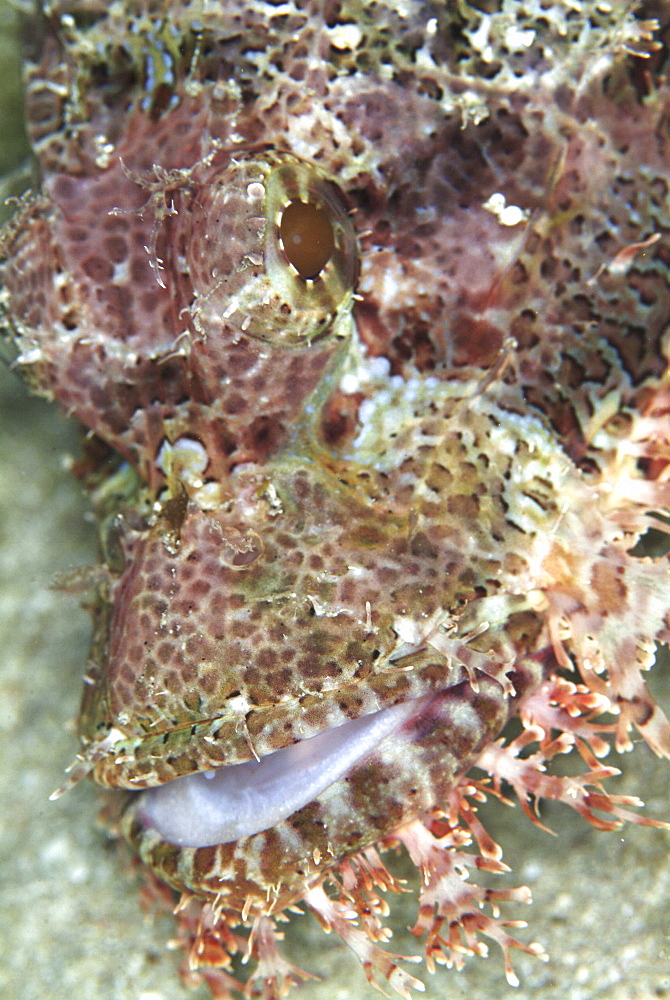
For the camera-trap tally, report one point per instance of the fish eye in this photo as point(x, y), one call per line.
point(310, 248)
point(269, 249)
point(307, 237)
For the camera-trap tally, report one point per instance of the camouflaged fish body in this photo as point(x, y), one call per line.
point(372, 302)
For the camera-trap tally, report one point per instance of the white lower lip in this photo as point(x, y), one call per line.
point(240, 800)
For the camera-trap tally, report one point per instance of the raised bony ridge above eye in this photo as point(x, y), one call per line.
point(269, 247)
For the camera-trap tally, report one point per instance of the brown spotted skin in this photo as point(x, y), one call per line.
point(423, 471)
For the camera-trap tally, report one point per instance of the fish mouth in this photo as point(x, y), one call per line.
point(236, 801)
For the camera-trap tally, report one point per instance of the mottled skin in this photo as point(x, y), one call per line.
point(422, 472)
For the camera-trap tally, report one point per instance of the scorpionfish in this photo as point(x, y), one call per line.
point(364, 307)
